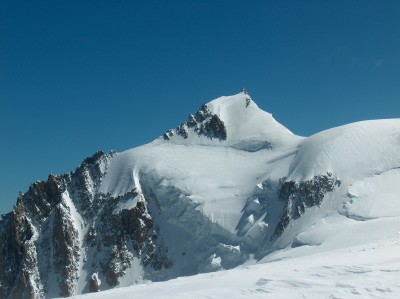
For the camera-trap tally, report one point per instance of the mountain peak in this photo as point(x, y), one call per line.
point(238, 101)
point(235, 121)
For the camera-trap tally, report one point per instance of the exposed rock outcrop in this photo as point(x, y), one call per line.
point(298, 196)
point(94, 283)
point(203, 123)
point(18, 262)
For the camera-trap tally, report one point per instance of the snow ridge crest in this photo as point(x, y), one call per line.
point(231, 121)
point(208, 122)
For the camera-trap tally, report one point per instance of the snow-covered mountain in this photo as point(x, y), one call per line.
point(229, 186)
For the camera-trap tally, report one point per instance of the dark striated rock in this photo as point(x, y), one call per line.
point(191, 121)
point(18, 256)
point(86, 178)
point(42, 196)
point(40, 236)
point(204, 123)
point(59, 209)
point(123, 234)
point(155, 253)
point(215, 128)
point(66, 250)
point(167, 135)
point(282, 224)
point(94, 283)
point(202, 114)
point(298, 196)
point(182, 130)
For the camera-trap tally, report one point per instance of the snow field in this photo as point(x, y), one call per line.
point(364, 271)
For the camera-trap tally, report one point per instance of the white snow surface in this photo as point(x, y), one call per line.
point(365, 271)
point(348, 247)
point(352, 151)
point(213, 177)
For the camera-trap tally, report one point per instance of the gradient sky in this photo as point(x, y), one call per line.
point(80, 76)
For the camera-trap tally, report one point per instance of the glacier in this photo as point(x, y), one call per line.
point(229, 188)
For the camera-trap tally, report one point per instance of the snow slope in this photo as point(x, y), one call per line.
point(365, 271)
point(352, 151)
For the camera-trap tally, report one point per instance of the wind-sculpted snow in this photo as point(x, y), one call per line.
point(365, 271)
point(374, 197)
point(349, 152)
point(229, 186)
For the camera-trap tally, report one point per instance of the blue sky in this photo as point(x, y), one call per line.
point(80, 76)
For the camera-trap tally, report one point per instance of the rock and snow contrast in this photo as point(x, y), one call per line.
point(230, 188)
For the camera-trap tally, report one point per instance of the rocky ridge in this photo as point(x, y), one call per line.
point(203, 123)
point(63, 225)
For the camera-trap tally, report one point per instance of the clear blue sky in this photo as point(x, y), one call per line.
point(80, 76)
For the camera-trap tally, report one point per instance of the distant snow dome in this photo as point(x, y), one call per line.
point(350, 151)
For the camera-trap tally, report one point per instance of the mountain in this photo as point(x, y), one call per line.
point(227, 187)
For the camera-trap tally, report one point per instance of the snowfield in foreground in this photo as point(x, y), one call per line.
point(371, 270)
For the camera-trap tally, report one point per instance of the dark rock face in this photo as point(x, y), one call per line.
point(122, 235)
point(86, 180)
point(204, 123)
point(65, 224)
point(156, 253)
point(17, 261)
point(67, 248)
point(94, 283)
point(43, 196)
point(214, 128)
point(298, 196)
point(20, 275)
point(40, 237)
